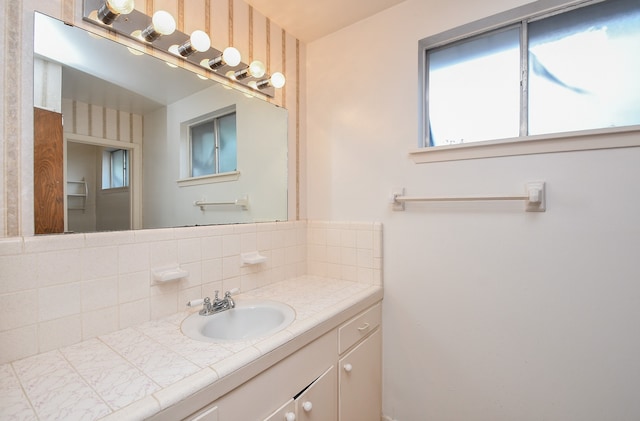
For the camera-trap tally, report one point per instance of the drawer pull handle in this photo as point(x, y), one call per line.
point(290, 416)
point(307, 406)
point(348, 368)
point(364, 327)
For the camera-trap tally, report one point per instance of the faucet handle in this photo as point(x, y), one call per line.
point(195, 303)
point(232, 291)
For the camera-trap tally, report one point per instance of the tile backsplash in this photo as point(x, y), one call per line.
point(59, 290)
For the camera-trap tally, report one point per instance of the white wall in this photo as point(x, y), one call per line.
point(490, 313)
point(82, 164)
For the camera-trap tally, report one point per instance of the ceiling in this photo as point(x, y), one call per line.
point(309, 20)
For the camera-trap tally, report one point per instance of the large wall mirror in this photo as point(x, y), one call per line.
point(124, 140)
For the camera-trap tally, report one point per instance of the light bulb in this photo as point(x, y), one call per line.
point(257, 69)
point(231, 56)
point(200, 40)
point(111, 9)
point(121, 7)
point(162, 23)
point(277, 80)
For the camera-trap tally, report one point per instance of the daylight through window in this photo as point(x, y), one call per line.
point(569, 71)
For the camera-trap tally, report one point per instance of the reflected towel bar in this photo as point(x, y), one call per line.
point(534, 198)
point(243, 202)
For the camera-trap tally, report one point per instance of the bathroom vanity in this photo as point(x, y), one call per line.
point(326, 365)
point(337, 373)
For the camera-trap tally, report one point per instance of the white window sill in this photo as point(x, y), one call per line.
point(114, 190)
point(209, 179)
point(621, 137)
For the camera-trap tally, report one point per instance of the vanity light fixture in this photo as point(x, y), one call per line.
point(198, 41)
point(229, 57)
point(159, 32)
point(162, 23)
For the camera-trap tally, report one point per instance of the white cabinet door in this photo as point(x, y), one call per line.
point(286, 412)
point(360, 381)
point(319, 402)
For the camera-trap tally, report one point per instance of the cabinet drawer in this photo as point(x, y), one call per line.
point(359, 327)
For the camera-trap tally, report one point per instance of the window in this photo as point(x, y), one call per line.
point(565, 71)
point(213, 146)
point(115, 168)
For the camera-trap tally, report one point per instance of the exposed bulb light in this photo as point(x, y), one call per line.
point(256, 69)
point(229, 57)
point(162, 23)
point(199, 41)
point(276, 80)
point(111, 9)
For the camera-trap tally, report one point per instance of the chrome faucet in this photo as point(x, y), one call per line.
point(218, 305)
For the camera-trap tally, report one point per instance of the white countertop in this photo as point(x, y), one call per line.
point(136, 372)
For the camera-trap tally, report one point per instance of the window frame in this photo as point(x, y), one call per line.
point(215, 119)
point(186, 179)
point(522, 144)
point(108, 155)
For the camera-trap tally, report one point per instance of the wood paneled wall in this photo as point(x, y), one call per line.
point(228, 22)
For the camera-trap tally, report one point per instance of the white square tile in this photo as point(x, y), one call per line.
point(133, 258)
point(18, 343)
point(349, 256)
point(99, 293)
point(264, 240)
point(99, 262)
point(189, 250)
point(99, 322)
point(230, 245)
point(59, 267)
point(230, 267)
point(211, 270)
point(348, 238)
point(277, 239)
point(163, 305)
point(133, 286)
point(18, 309)
point(163, 253)
point(61, 332)
point(248, 242)
point(212, 247)
point(58, 301)
point(18, 272)
point(134, 313)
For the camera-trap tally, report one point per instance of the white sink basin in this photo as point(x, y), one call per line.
point(248, 320)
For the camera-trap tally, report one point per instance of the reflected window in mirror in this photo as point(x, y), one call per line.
point(214, 146)
point(115, 168)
